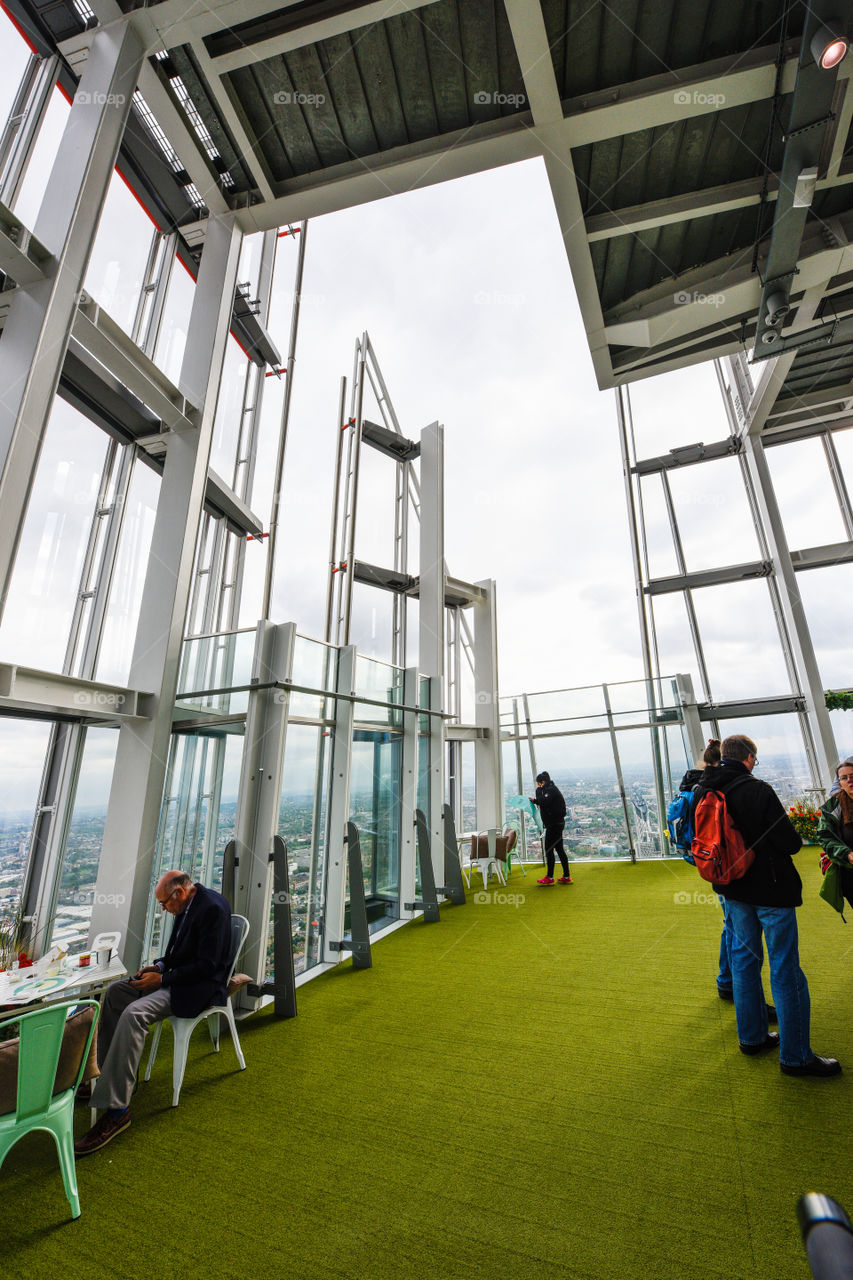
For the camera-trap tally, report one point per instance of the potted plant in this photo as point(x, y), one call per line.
point(13, 933)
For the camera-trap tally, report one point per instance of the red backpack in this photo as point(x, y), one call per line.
point(718, 847)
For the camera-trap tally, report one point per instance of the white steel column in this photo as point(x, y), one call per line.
point(487, 749)
point(792, 608)
point(409, 792)
point(37, 328)
point(339, 807)
point(431, 609)
point(130, 832)
point(431, 623)
point(259, 796)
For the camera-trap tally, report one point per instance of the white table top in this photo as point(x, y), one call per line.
point(71, 980)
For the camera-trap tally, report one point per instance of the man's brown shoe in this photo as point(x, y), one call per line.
point(110, 1125)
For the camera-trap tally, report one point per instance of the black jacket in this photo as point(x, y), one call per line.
point(195, 962)
point(552, 806)
point(757, 812)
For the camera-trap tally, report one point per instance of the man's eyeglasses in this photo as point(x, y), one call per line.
point(169, 898)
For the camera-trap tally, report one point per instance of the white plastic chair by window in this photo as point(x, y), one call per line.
point(182, 1028)
point(483, 857)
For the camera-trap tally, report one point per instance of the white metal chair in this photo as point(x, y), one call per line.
point(483, 857)
point(182, 1028)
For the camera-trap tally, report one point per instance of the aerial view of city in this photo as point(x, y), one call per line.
point(595, 829)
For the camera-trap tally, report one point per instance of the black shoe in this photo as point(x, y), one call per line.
point(725, 993)
point(771, 1014)
point(771, 1042)
point(817, 1067)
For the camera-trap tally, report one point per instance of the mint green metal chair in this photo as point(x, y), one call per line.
point(41, 1033)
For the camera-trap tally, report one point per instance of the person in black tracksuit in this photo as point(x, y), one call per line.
point(552, 808)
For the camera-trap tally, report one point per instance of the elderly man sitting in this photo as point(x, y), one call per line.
point(190, 976)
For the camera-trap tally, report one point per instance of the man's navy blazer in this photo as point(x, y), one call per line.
point(195, 963)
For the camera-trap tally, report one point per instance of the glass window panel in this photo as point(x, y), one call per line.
point(469, 790)
point(714, 518)
point(741, 642)
point(23, 745)
point(314, 665)
point(302, 824)
point(678, 408)
point(375, 810)
point(116, 270)
point(827, 596)
point(374, 535)
point(250, 262)
point(298, 498)
point(659, 543)
point(842, 727)
point(125, 598)
point(82, 855)
point(803, 487)
point(229, 410)
point(676, 652)
point(46, 578)
point(172, 338)
point(44, 156)
point(16, 58)
point(781, 755)
point(843, 441)
point(566, 709)
point(371, 621)
point(583, 768)
point(638, 775)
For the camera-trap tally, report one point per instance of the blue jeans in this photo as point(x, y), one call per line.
point(787, 980)
point(724, 977)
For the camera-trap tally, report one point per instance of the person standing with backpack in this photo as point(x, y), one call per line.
point(764, 900)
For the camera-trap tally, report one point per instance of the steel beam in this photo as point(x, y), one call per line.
point(431, 568)
point(130, 832)
point(38, 325)
point(487, 746)
point(339, 807)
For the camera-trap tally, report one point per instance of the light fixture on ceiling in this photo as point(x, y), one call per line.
point(829, 44)
point(777, 308)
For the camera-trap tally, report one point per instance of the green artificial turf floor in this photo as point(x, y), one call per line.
point(539, 1088)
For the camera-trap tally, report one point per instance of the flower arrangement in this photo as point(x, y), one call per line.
point(804, 818)
point(13, 931)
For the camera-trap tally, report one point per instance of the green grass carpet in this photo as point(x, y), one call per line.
point(534, 1089)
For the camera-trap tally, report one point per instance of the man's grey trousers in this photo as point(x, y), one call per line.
point(123, 1025)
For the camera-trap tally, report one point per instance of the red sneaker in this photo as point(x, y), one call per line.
point(546, 880)
point(565, 880)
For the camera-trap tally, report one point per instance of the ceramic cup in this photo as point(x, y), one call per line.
point(105, 955)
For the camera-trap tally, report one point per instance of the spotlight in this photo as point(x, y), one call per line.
point(777, 308)
point(829, 44)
